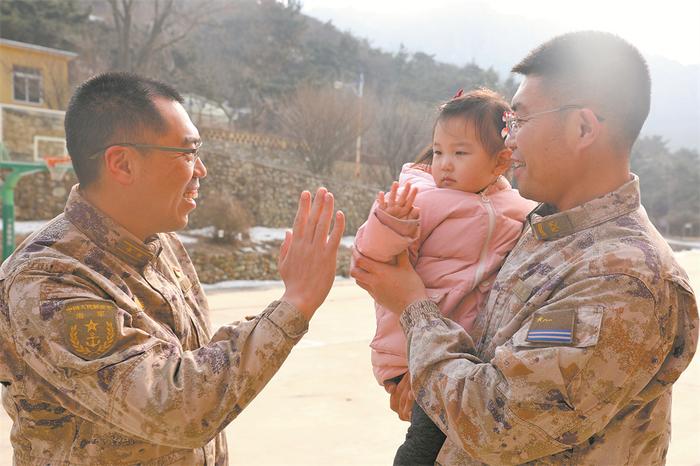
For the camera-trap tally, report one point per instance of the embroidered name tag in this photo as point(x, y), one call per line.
point(552, 327)
point(132, 252)
point(553, 228)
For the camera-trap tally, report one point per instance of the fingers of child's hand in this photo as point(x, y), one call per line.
point(411, 197)
point(405, 193)
point(381, 201)
point(392, 193)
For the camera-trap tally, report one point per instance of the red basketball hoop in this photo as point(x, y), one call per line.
point(58, 166)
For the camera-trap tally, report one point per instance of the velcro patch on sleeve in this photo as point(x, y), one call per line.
point(90, 327)
point(552, 327)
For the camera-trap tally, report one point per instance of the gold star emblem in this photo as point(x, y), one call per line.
point(91, 326)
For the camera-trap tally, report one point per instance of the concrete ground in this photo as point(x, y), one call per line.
point(324, 407)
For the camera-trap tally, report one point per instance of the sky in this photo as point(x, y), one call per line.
point(667, 28)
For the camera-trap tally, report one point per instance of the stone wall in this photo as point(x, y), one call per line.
point(266, 177)
point(267, 181)
point(38, 197)
point(216, 264)
point(19, 126)
point(270, 188)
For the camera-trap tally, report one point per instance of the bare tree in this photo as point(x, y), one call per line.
point(324, 122)
point(401, 130)
point(169, 21)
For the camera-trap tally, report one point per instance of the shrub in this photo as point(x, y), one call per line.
point(229, 217)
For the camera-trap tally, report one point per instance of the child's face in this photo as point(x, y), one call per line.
point(459, 160)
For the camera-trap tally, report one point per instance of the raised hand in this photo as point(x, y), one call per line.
point(398, 205)
point(307, 260)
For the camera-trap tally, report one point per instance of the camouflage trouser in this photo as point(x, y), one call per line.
point(423, 441)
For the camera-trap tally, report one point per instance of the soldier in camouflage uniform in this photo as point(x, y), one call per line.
point(107, 352)
point(590, 320)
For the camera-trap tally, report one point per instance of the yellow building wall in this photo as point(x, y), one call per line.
point(54, 73)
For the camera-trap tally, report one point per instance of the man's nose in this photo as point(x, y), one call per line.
point(200, 170)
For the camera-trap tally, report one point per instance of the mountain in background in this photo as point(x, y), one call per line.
point(476, 34)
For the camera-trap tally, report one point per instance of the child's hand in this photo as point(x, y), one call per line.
point(399, 205)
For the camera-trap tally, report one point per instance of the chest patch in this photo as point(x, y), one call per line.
point(90, 327)
point(552, 327)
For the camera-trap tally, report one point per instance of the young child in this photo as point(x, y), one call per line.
point(459, 218)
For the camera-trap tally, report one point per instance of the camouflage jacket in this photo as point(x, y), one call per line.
point(572, 361)
point(107, 356)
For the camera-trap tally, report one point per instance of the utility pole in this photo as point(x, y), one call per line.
point(358, 143)
point(358, 90)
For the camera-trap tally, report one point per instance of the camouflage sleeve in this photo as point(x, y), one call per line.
point(536, 398)
point(139, 383)
point(383, 236)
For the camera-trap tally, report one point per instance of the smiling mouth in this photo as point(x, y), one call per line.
point(191, 195)
point(517, 164)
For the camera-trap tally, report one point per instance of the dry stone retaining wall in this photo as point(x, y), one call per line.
point(266, 179)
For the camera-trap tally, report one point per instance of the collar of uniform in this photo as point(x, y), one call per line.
point(548, 224)
point(107, 233)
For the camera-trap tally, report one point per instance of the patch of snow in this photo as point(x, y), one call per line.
point(206, 231)
point(260, 234)
point(187, 239)
point(347, 241)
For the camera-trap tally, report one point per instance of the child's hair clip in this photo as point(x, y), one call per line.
point(458, 94)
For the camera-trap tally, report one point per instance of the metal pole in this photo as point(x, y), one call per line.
point(8, 214)
point(16, 170)
point(358, 143)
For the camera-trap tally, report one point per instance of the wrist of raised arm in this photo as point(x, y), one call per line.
point(288, 317)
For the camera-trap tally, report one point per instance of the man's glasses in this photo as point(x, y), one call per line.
point(191, 153)
point(514, 122)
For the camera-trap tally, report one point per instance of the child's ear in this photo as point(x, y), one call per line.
point(503, 161)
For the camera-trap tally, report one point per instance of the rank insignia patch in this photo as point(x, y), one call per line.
point(90, 327)
point(552, 327)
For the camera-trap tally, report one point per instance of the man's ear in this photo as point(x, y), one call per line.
point(503, 162)
point(588, 128)
point(119, 164)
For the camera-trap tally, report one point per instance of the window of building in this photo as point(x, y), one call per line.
point(26, 84)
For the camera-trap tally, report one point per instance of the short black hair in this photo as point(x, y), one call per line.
point(596, 69)
point(109, 108)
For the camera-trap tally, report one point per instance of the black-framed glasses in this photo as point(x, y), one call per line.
point(514, 122)
point(192, 153)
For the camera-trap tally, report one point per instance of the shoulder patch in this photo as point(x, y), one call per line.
point(552, 327)
point(90, 327)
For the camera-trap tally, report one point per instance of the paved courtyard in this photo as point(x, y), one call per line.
point(324, 407)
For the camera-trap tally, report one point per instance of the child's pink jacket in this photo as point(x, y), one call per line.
point(457, 247)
